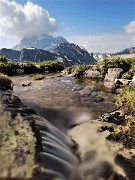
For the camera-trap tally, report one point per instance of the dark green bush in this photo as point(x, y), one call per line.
point(5, 82)
point(3, 59)
point(30, 67)
point(8, 68)
point(51, 66)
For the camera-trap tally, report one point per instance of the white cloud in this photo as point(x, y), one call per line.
point(104, 43)
point(130, 28)
point(8, 41)
point(22, 21)
point(108, 42)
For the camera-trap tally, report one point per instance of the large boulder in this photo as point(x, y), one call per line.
point(110, 86)
point(111, 79)
point(113, 73)
point(93, 74)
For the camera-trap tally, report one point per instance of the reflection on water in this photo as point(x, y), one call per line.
point(64, 101)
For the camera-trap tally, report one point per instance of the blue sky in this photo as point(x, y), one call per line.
point(87, 22)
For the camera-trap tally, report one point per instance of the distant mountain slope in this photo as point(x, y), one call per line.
point(73, 54)
point(45, 42)
point(125, 51)
point(32, 54)
point(70, 54)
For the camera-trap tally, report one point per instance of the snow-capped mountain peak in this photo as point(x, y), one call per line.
point(45, 42)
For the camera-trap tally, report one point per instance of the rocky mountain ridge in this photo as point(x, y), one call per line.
point(125, 51)
point(69, 53)
point(101, 56)
point(73, 54)
point(45, 42)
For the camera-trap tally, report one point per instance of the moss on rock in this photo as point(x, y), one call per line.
point(17, 147)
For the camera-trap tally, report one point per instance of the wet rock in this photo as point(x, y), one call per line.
point(124, 163)
point(115, 117)
point(99, 99)
point(9, 98)
point(106, 128)
point(26, 83)
point(88, 90)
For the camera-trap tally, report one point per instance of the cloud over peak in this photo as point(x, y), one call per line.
point(24, 21)
point(130, 28)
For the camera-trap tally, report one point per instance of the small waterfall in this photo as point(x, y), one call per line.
point(57, 156)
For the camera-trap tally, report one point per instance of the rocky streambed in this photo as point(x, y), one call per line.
point(70, 141)
point(64, 101)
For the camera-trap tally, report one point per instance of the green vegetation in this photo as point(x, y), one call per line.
point(126, 100)
point(125, 64)
point(125, 133)
point(51, 66)
point(38, 76)
point(127, 75)
point(79, 70)
point(7, 67)
point(29, 67)
point(3, 59)
point(5, 82)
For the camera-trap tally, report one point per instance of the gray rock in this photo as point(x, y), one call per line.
point(93, 74)
point(112, 74)
point(26, 83)
point(110, 86)
point(88, 90)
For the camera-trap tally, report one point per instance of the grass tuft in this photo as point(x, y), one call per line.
point(5, 82)
point(126, 100)
point(38, 76)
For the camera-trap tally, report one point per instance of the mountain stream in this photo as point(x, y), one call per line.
point(70, 107)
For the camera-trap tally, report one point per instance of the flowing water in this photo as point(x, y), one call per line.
point(65, 102)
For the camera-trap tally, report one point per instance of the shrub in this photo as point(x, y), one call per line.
point(3, 59)
point(30, 67)
point(79, 70)
point(8, 67)
point(127, 75)
point(5, 82)
point(51, 66)
point(76, 70)
point(126, 100)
